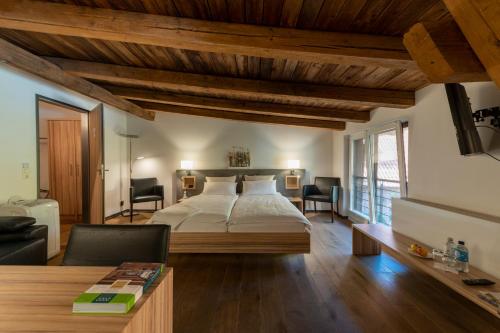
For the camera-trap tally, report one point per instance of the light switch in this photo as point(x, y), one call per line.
point(26, 170)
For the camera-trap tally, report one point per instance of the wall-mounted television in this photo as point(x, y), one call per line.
point(468, 138)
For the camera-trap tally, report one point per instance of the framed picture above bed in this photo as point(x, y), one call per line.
point(239, 157)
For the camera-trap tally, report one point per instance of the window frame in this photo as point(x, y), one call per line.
point(368, 135)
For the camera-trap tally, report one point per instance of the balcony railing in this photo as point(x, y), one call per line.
point(385, 190)
point(361, 199)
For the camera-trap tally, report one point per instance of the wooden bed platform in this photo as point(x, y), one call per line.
point(243, 242)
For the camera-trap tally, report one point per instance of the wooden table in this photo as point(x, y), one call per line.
point(40, 299)
point(298, 202)
point(370, 239)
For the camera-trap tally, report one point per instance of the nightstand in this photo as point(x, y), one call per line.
point(297, 202)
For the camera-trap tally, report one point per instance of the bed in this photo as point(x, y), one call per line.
point(267, 213)
point(200, 213)
point(236, 223)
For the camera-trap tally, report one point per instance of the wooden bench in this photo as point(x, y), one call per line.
point(370, 239)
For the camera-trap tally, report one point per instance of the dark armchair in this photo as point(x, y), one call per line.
point(325, 189)
point(145, 190)
point(111, 245)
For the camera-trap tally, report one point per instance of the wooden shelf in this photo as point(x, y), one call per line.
point(369, 239)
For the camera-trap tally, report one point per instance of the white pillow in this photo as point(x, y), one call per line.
point(230, 179)
point(259, 187)
point(260, 177)
point(219, 188)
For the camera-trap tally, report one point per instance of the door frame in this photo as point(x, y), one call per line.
point(85, 150)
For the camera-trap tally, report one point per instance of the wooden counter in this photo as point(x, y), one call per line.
point(40, 298)
point(370, 239)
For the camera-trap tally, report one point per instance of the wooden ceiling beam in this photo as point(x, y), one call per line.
point(224, 104)
point(241, 116)
point(33, 64)
point(291, 93)
point(205, 36)
point(444, 54)
point(479, 22)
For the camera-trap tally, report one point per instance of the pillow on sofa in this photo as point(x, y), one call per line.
point(31, 232)
point(15, 223)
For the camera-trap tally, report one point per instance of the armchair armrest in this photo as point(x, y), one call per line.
point(310, 190)
point(334, 193)
point(158, 190)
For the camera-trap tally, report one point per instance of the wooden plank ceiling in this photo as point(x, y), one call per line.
point(321, 91)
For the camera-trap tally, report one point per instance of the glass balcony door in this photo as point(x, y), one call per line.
point(378, 171)
point(386, 176)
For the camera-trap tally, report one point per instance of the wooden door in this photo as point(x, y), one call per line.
point(64, 157)
point(96, 165)
point(77, 130)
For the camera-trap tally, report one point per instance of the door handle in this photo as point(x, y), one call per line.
point(102, 170)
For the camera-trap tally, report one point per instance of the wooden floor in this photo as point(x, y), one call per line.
point(328, 290)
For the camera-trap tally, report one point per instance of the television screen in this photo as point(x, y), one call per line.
point(468, 138)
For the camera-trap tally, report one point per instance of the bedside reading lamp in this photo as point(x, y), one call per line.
point(292, 165)
point(187, 165)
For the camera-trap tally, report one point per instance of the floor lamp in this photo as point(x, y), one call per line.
point(130, 164)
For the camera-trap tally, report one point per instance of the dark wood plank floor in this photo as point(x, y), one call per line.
point(328, 290)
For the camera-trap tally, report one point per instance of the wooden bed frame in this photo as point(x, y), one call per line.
point(239, 242)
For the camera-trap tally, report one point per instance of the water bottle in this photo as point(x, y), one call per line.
point(450, 248)
point(462, 257)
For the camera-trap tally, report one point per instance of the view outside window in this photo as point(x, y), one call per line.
point(385, 175)
point(360, 198)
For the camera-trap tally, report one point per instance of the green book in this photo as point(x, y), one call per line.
point(119, 290)
point(103, 303)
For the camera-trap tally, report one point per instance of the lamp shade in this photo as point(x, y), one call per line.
point(293, 164)
point(187, 165)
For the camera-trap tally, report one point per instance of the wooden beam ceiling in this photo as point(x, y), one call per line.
point(287, 92)
point(444, 54)
point(479, 22)
point(238, 105)
point(206, 36)
point(250, 117)
point(33, 64)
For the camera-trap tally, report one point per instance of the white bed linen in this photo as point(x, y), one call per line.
point(266, 213)
point(200, 213)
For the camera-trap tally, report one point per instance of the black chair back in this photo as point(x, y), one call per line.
point(143, 186)
point(325, 183)
point(111, 245)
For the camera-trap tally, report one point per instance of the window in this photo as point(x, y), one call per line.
point(378, 171)
point(359, 178)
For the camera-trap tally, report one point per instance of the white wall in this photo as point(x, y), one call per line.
point(18, 92)
point(172, 138)
point(116, 182)
point(437, 171)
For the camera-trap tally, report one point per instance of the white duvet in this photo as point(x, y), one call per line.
point(266, 213)
point(200, 213)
